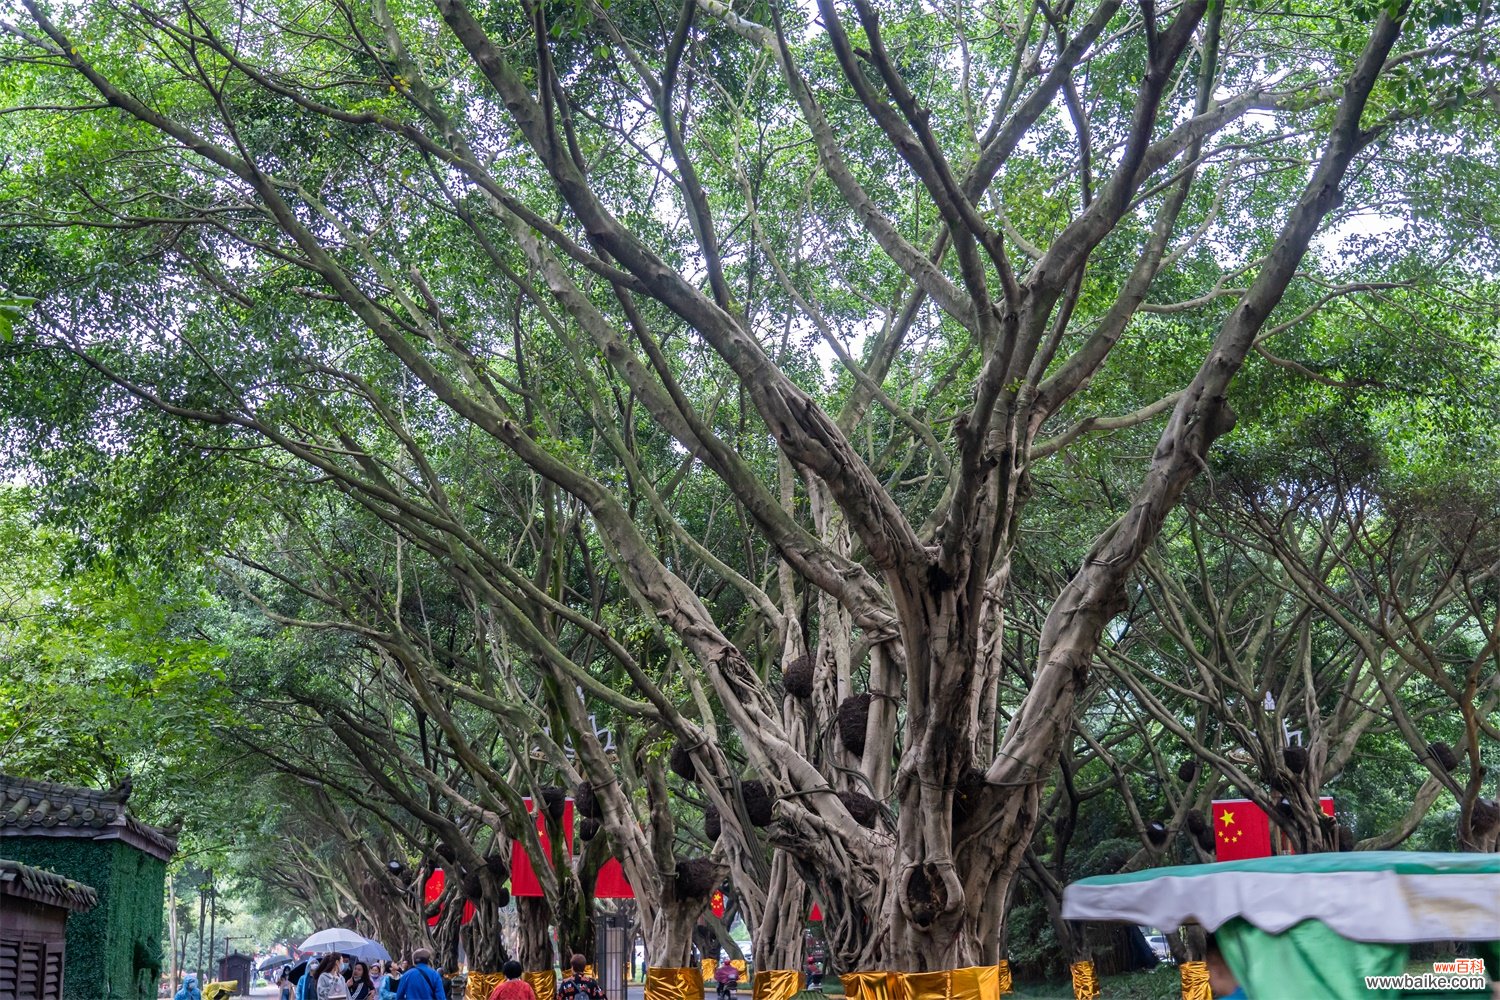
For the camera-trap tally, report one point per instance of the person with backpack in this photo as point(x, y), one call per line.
point(579, 986)
point(421, 981)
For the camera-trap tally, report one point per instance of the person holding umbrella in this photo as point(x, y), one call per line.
point(331, 985)
point(305, 980)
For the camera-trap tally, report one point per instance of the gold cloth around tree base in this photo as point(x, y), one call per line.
point(674, 984)
point(482, 984)
point(544, 983)
point(1195, 981)
point(980, 982)
point(776, 984)
point(1007, 983)
point(1085, 981)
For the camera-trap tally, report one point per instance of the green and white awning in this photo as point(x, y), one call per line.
point(1379, 896)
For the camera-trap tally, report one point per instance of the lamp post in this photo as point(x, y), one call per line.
point(213, 914)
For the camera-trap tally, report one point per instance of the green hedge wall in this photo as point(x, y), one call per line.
point(114, 950)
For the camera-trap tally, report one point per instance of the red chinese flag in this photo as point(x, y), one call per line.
point(1326, 803)
point(716, 903)
point(611, 882)
point(523, 880)
point(1241, 830)
point(431, 890)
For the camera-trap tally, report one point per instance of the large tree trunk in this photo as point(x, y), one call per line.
point(534, 933)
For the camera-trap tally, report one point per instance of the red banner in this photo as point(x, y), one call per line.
point(716, 903)
point(611, 882)
point(523, 880)
point(433, 888)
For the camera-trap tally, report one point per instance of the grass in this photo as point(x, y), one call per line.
point(1160, 983)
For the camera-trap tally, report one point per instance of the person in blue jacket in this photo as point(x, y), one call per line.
point(421, 981)
point(390, 980)
point(307, 986)
point(189, 989)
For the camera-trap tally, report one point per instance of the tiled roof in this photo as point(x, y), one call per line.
point(45, 809)
point(17, 879)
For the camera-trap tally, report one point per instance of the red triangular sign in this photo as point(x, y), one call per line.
point(611, 883)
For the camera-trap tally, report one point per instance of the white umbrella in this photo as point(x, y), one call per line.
point(337, 939)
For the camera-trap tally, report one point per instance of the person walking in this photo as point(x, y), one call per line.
point(307, 986)
point(361, 986)
point(421, 981)
point(388, 980)
point(514, 987)
point(189, 989)
point(330, 983)
point(579, 986)
point(284, 982)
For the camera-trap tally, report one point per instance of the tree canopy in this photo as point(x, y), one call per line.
point(797, 425)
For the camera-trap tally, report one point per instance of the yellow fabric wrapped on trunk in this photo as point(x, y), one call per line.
point(674, 984)
point(481, 984)
point(776, 984)
point(544, 983)
point(874, 986)
point(926, 985)
point(708, 970)
point(980, 982)
point(1002, 972)
point(1195, 981)
point(1085, 982)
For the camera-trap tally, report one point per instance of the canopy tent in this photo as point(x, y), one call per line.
point(1391, 896)
point(1313, 924)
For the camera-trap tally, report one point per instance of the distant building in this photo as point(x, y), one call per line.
point(34, 909)
point(114, 949)
point(239, 968)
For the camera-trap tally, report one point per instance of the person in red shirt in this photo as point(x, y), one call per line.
point(514, 987)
